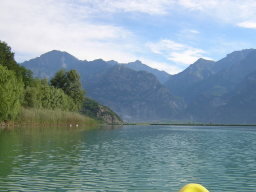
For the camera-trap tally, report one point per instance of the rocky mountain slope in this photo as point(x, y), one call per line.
point(198, 71)
point(162, 76)
point(222, 82)
point(237, 105)
point(206, 76)
point(134, 96)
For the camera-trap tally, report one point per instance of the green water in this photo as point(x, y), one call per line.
point(127, 158)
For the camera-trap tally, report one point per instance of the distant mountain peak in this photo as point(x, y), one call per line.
point(243, 51)
point(112, 62)
point(99, 60)
point(139, 66)
point(138, 61)
point(203, 60)
point(56, 52)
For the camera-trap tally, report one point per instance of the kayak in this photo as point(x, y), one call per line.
point(193, 187)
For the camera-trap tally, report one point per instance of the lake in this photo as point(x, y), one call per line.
point(127, 158)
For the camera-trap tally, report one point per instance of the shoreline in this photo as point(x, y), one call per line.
point(186, 124)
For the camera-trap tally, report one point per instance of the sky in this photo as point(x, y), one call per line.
point(167, 35)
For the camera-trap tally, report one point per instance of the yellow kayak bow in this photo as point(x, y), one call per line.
point(193, 187)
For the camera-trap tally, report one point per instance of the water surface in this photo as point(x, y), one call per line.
point(127, 158)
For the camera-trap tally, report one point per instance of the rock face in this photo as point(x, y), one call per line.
point(106, 114)
point(102, 113)
point(134, 96)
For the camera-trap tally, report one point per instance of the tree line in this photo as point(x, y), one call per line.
point(18, 88)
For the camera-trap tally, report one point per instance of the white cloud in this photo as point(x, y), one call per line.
point(186, 57)
point(192, 4)
point(194, 31)
point(177, 52)
point(36, 27)
point(229, 10)
point(152, 7)
point(234, 12)
point(85, 29)
point(164, 45)
point(248, 24)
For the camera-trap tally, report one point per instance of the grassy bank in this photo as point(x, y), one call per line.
point(52, 117)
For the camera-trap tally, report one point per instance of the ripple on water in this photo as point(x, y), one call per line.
point(140, 158)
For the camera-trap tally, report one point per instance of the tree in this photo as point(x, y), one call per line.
point(7, 59)
point(27, 76)
point(11, 90)
point(69, 82)
point(40, 94)
point(33, 95)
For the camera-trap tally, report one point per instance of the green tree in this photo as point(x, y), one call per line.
point(41, 94)
point(11, 90)
point(7, 59)
point(33, 94)
point(27, 76)
point(69, 82)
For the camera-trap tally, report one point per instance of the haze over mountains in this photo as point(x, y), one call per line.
point(207, 91)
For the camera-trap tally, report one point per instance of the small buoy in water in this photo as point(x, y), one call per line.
point(193, 187)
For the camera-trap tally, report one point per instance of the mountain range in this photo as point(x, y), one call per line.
point(206, 91)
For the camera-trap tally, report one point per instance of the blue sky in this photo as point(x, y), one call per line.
point(164, 34)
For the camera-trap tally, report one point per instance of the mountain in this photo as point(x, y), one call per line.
point(230, 59)
point(206, 76)
point(198, 71)
point(240, 108)
point(224, 81)
point(162, 76)
point(237, 106)
point(47, 64)
point(217, 92)
point(136, 96)
point(86, 69)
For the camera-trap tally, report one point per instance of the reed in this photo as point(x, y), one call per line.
point(32, 116)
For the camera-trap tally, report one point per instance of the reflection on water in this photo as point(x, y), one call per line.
point(125, 158)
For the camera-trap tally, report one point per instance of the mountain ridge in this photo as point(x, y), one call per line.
point(212, 90)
